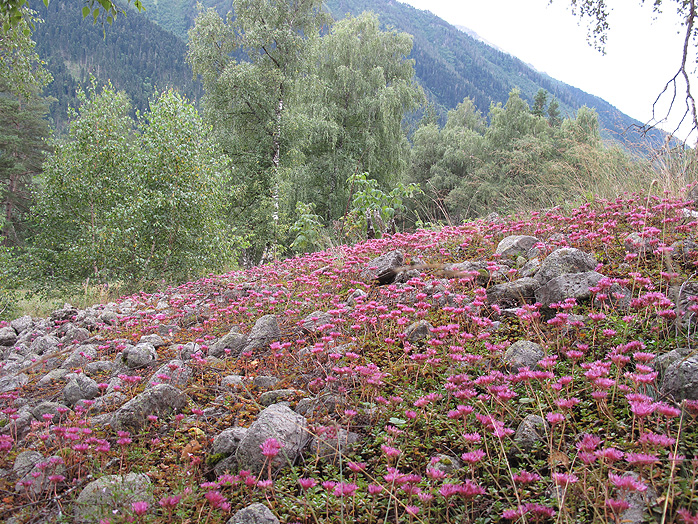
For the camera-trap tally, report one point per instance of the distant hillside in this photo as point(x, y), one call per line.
point(135, 54)
point(451, 65)
point(144, 51)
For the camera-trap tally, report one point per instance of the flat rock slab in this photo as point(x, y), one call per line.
point(160, 400)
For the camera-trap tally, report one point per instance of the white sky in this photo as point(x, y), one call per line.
point(642, 51)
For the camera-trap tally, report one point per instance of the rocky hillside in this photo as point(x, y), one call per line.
point(537, 368)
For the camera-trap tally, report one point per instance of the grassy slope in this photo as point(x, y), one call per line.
point(404, 399)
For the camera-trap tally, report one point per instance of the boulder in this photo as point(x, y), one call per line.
point(254, 514)
point(175, 372)
point(418, 331)
point(512, 294)
point(515, 246)
point(8, 336)
point(314, 320)
point(234, 342)
point(577, 285)
point(265, 331)
point(160, 400)
point(531, 431)
point(79, 387)
point(111, 496)
point(45, 344)
point(523, 353)
point(80, 357)
point(681, 379)
point(564, 261)
point(227, 441)
point(277, 421)
point(384, 268)
point(140, 356)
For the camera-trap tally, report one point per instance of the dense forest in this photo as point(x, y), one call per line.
point(302, 132)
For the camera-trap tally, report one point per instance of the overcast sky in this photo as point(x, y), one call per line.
point(642, 52)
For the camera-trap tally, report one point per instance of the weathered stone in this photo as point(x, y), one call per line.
point(418, 331)
point(155, 340)
point(254, 514)
point(229, 345)
point(681, 379)
point(8, 336)
point(80, 357)
point(53, 408)
point(636, 244)
point(279, 422)
point(445, 463)
point(160, 400)
point(232, 381)
point(315, 320)
point(111, 496)
point(11, 382)
point(277, 395)
point(175, 372)
point(512, 294)
point(383, 268)
point(265, 331)
point(477, 271)
point(523, 353)
point(55, 375)
point(265, 381)
point(563, 261)
point(332, 445)
point(79, 387)
point(21, 324)
point(67, 312)
point(515, 245)
point(25, 462)
point(44, 344)
point(140, 356)
point(577, 285)
point(227, 441)
point(532, 430)
point(186, 351)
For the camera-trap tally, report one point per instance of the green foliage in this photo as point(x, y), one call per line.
point(307, 229)
point(16, 12)
point(116, 204)
point(374, 211)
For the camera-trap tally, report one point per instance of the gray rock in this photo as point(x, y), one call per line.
point(160, 400)
point(108, 317)
point(417, 331)
point(168, 330)
point(8, 336)
point(279, 422)
point(314, 320)
point(155, 340)
point(81, 357)
point(639, 502)
point(55, 375)
point(265, 381)
point(36, 480)
point(357, 295)
point(232, 381)
point(12, 382)
point(512, 294)
point(177, 371)
point(662, 362)
point(681, 379)
point(278, 395)
point(47, 407)
point(99, 366)
point(564, 261)
point(21, 324)
point(67, 312)
point(445, 463)
point(186, 351)
point(44, 344)
point(523, 353)
point(254, 514)
point(692, 194)
point(515, 245)
point(383, 268)
point(577, 285)
point(265, 331)
point(226, 465)
point(111, 496)
point(531, 431)
point(21, 426)
point(103, 403)
point(326, 403)
point(331, 446)
point(79, 387)
point(75, 335)
point(636, 244)
point(478, 271)
point(234, 342)
point(684, 252)
point(25, 462)
point(140, 356)
point(227, 441)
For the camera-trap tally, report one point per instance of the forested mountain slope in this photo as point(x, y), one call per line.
point(450, 64)
point(135, 54)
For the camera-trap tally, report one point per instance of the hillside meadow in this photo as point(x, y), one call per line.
point(438, 383)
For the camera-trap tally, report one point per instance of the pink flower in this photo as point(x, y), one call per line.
point(390, 451)
point(270, 448)
point(139, 508)
point(626, 482)
point(524, 477)
point(564, 479)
